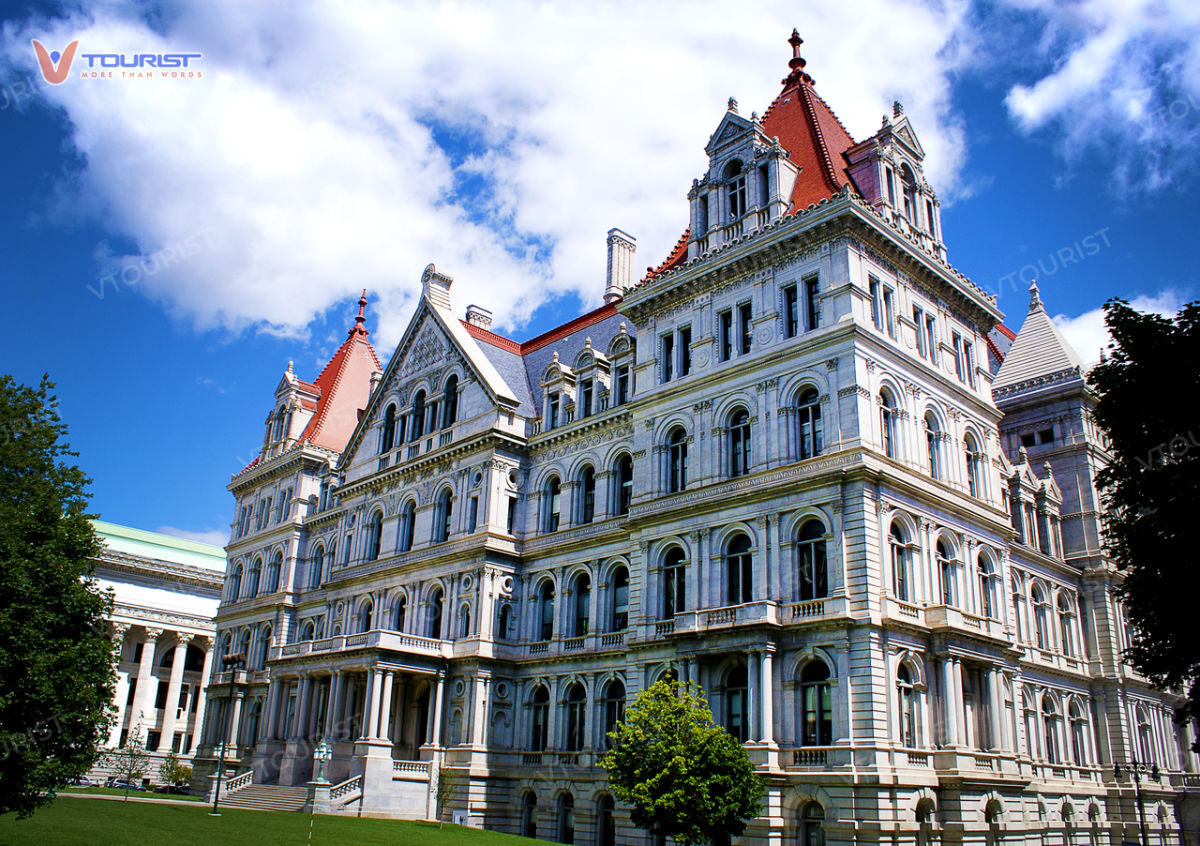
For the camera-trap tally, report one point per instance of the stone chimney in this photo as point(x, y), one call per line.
point(376, 378)
point(435, 287)
point(479, 316)
point(621, 248)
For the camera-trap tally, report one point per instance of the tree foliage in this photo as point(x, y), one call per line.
point(448, 781)
point(56, 668)
point(684, 776)
point(174, 773)
point(1152, 487)
point(129, 762)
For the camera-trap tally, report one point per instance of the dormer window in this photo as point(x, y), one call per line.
point(909, 185)
point(735, 180)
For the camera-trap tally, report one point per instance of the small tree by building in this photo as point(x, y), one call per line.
point(684, 776)
point(173, 773)
point(447, 785)
point(129, 762)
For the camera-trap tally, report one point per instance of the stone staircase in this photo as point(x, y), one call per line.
point(267, 797)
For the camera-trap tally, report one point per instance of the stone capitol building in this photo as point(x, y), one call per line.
point(801, 462)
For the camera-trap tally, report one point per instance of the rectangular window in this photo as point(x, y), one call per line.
point(585, 403)
point(160, 695)
point(668, 357)
point(929, 218)
point(725, 335)
point(811, 308)
point(791, 312)
point(969, 362)
point(876, 303)
point(744, 329)
point(553, 411)
point(472, 513)
point(702, 217)
point(153, 738)
point(889, 311)
point(512, 515)
point(959, 370)
point(685, 350)
point(931, 337)
point(1027, 440)
point(919, 321)
point(622, 385)
point(891, 186)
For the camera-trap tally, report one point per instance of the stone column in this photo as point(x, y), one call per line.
point(369, 705)
point(995, 709)
point(145, 687)
point(385, 707)
point(122, 692)
point(235, 722)
point(767, 699)
point(951, 699)
point(435, 733)
point(178, 659)
point(335, 689)
point(753, 698)
point(479, 710)
point(304, 691)
point(202, 697)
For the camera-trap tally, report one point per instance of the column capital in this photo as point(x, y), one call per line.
point(153, 634)
point(184, 638)
point(120, 629)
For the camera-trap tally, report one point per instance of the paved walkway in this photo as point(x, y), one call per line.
point(133, 797)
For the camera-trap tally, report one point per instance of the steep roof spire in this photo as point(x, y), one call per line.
point(1035, 297)
point(359, 328)
point(797, 62)
point(1038, 350)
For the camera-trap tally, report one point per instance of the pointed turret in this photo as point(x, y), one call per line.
point(1040, 351)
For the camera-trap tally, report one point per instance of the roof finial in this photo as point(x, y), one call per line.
point(797, 62)
point(1035, 298)
point(732, 107)
point(359, 328)
point(897, 109)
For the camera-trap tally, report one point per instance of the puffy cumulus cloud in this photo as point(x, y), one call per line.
point(330, 148)
point(1087, 333)
point(1121, 79)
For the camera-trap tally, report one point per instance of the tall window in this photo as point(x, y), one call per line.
point(274, 569)
point(587, 495)
point(889, 415)
point(739, 443)
point(316, 566)
point(620, 600)
point(1079, 748)
point(255, 572)
point(586, 391)
point(614, 707)
point(606, 830)
point(399, 613)
point(900, 557)
point(366, 614)
point(812, 309)
point(875, 291)
point(374, 535)
point(418, 416)
point(808, 416)
point(667, 359)
point(812, 825)
point(738, 570)
point(566, 818)
point(546, 611)
point(737, 719)
point(735, 181)
point(791, 312)
point(933, 445)
point(810, 552)
point(388, 438)
point(436, 601)
point(553, 506)
point(815, 705)
point(450, 402)
point(583, 603)
point(948, 566)
point(553, 404)
point(1066, 625)
point(987, 587)
point(1041, 613)
point(745, 329)
point(445, 512)
point(624, 483)
point(677, 456)
point(529, 816)
point(906, 696)
point(674, 583)
point(576, 722)
point(974, 465)
point(408, 519)
point(623, 382)
point(1052, 725)
point(725, 335)
point(539, 712)
point(908, 185)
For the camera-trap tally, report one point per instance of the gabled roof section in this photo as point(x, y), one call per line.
point(809, 130)
point(1038, 351)
point(344, 387)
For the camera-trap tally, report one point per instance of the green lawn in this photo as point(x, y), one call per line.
point(133, 794)
point(75, 822)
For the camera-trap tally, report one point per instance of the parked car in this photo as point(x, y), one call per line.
point(122, 784)
point(84, 781)
point(171, 788)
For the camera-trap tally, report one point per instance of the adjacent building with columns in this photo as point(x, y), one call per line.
point(800, 463)
point(166, 591)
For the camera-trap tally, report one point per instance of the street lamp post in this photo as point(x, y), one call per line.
point(1136, 771)
point(230, 663)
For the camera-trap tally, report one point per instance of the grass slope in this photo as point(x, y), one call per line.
point(133, 794)
point(75, 822)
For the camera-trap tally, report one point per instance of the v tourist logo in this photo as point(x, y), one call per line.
point(55, 66)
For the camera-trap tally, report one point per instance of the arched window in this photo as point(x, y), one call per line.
point(739, 443)
point(255, 571)
point(566, 818)
point(900, 561)
point(948, 566)
point(445, 511)
point(1079, 748)
point(366, 612)
point(809, 434)
point(582, 589)
point(606, 834)
point(737, 718)
point(450, 402)
point(408, 522)
point(539, 712)
point(924, 822)
point(244, 643)
point(677, 449)
point(812, 825)
point(1041, 614)
point(906, 696)
point(418, 416)
point(974, 465)
point(1051, 723)
point(387, 439)
point(987, 586)
point(1066, 624)
point(399, 613)
point(933, 445)
point(889, 415)
point(529, 816)
point(735, 185)
point(273, 571)
point(614, 707)
point(374, 535)
point(263, 652)
point(674, 583)
point(316, 567)
point(813, 577)
point(576, 703)
point(234, 591)
point(620, 600)
point(908, 184)
point(738, 570)
point(436, 601)
point(553, 505)
point(816, 705)
point(505, 624)
point(587, 494)
point(992, 816)
point(624, 483)
point(280, 420)
point(308, 631)
point(1145, 736)
point(546, 610)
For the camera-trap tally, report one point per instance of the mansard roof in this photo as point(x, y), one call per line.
point(1039, 351)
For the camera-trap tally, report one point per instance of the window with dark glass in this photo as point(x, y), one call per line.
point(614, 707)
point(685, 350)
point(450, 402)
point(735, 179)
point(812, 310)
point(583, 604)
point(813, 570)
point(445, 512)
point(552, 422)
point(674, 583)
point(737, 720)
point(620, 600)
point(587, 495)
point(745, 329)
point(553, 505)
point(816, 705)
point(539, 711)
point(725, 335)
point(738, 570)
point(585, 401)
point(546, 611)
point(739, 443)
point(808, 421)
point(624, 482)
point(408, 520)
point(388, 439)
point(791, 312)
point(667, 359)
point(677, 460)
point(418, 415)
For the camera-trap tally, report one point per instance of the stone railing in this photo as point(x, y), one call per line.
point(376, 638)
point(811, 757)
point(239, 782)
point(348, 790)
point(412, 770)
point(573, 643)
point(666, 627)
point(917, 759)
point(613, 639)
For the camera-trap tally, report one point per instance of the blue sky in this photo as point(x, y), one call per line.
point(230, 220)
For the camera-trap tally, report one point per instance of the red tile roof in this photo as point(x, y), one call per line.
point(546, 338)
point(1006, 332)
point(676, 257)
point(345, 386)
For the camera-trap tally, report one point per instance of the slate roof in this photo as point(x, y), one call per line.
point(1039, 349)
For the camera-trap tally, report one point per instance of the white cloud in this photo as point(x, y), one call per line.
point(1087, 333)
point(217, 537)
point(1122, 80)
point(310, 161)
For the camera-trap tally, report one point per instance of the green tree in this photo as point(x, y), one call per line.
point(448, 781)
point(130, 761)
point(1151, 487)
point(174, 774)
point(56, 665)
point(684, 776)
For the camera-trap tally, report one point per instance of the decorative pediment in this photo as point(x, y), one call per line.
point(902, 132)
point(732, 127)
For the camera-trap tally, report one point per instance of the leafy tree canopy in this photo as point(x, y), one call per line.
point(56, 667)
point(1152, 486)
point(684, 776)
